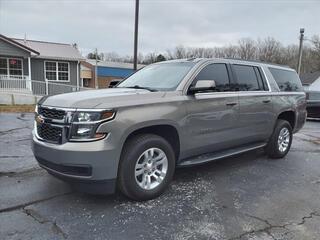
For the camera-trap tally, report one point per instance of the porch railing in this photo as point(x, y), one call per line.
point(13, 77)
point(34, 87)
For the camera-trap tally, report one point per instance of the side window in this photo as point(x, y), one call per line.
point(247, 78)
point(217, 72)
point(287, 81)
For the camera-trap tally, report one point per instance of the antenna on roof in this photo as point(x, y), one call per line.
point(25, 39)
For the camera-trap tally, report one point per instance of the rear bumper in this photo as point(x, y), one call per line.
point(89, 166)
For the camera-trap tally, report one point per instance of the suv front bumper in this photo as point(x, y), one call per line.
point(88, 166)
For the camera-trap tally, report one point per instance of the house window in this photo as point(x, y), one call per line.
point(11, 66)
point(57, 71)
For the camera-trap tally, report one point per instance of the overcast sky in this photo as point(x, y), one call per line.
point(164, 24)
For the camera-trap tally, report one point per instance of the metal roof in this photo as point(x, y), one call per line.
point(113, 64)
point(19, 45)
point(51, 50)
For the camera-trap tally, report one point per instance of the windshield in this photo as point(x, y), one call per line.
point(159, 77)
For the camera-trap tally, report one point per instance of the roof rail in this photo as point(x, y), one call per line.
point(258, 61)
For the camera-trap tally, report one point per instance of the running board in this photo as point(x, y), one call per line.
point(208, 157)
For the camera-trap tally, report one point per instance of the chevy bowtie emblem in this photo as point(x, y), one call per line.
point(39, 119)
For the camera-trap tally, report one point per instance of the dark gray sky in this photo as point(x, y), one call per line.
point(164, 24)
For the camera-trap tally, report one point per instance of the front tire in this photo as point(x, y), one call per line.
point(146, 168)
point(280, 141)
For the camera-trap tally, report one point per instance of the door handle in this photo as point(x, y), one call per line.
point(266, 101)
point(231, 104)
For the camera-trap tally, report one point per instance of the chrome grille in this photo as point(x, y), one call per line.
point(51, 113)
point(49, 133)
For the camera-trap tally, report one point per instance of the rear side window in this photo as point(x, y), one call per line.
point(247, 78)
point(217, 72)
point(287, 81)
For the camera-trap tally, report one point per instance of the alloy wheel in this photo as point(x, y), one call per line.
point(151, 168)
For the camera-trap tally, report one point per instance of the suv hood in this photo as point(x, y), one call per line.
point(103, 98)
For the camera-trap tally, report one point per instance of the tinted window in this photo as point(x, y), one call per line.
point(247, 78)
point(217, 72)
point(287, 80)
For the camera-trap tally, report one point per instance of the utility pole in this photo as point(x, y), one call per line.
point(96, 69)
point(300, 50)
point(136, 21)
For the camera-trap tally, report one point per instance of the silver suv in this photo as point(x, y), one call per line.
point(167, 115)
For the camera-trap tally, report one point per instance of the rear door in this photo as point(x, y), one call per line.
point(255, 111)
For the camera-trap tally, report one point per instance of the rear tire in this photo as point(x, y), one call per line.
point(146, 168)
point(280, 141)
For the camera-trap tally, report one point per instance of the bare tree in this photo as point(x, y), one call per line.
point(112, 57)
point(247, 48)
point(269, 50)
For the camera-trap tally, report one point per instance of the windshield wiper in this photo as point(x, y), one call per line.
point(140, 87)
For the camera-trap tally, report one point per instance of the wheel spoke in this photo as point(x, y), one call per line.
point(160, 173)
point(160, 162)
point(159, 157)
point(143, 181)
point(158, 178)
point(146, 156)
point(151, 153)
point(139, 166)
point(148, 179)
point(139, 172)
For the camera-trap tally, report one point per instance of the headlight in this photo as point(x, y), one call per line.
point(85, 124)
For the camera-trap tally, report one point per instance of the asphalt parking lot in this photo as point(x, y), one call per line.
point(244, 197)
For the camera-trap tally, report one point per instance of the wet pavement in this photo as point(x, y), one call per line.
point(244, 197)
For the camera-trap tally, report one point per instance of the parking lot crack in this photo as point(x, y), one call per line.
point(16, 174)
point(11, 130)
point(270, 226)
point(14, 156)
point(58, 230)
point(266, 229)
point(32, 202)
point(259, 219)
point(42, 220)
point(35, 215)
point(310, 216)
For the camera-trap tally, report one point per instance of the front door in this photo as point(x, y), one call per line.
point(212, 116)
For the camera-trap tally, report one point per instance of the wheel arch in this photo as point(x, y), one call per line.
point(288, 115)
point(166, 129)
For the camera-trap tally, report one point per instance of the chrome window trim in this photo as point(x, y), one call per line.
point(227, 94)
point(208, 62)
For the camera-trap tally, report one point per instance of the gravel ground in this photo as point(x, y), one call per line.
point(244, 197)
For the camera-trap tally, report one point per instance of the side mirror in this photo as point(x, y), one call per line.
point(203, 85)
